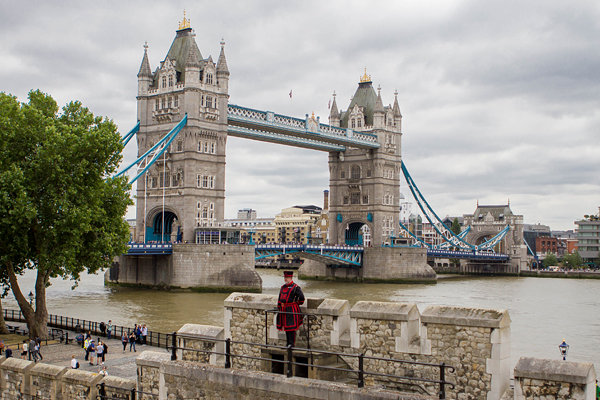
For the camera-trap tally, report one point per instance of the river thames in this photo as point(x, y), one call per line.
point(543, 310)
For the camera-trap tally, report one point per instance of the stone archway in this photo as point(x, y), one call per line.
point(357, 233)
point(160, 225)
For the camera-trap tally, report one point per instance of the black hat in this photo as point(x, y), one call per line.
point(289, 274)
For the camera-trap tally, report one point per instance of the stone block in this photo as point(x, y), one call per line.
point(385, 311)
point(463, 316)
point(199, 337)
point(251, 301)
point(554, 370)
point(77, 384)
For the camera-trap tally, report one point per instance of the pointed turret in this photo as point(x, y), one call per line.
point(378, 111)
point(397, 114)
point(222, 63)
point(334, 114)
point(193, 59)
point(364, 97)
point(192, 67)
point(145, 67)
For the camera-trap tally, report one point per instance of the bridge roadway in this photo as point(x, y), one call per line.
point(350, 256)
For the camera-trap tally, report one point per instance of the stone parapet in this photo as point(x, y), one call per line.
point(554, 379)
point(193, 338)
point(80, 385)
point(117, 388)
point(46, 381)
point(15, 377)
point(148, 372)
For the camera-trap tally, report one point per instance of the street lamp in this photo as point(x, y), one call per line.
point(564, 349)
point(31, 296)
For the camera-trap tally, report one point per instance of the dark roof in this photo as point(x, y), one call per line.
point(309, 209)
point(366, 97)
point(180, 52)
point(496, 211)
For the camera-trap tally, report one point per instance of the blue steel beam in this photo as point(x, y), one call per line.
point(339, 254)
point(467, 255)
point(132, 132)
point(266, 121)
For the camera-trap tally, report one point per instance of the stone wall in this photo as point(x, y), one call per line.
point(554, 379)
point(475, 341)
point(177, 380)
point(380, 264)
point(191, 267)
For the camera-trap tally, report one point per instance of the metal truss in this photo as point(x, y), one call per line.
point(462, 235)
point(132, 132)
point(284, 126)
point(468, 255)
point(490, 244)
point(145, 161)
point(336, 255)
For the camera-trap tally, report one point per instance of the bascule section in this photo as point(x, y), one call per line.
point(364, 184)
point(182, 181)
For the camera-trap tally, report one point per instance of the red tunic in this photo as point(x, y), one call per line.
point(290, 299)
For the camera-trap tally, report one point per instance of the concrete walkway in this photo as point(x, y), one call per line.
point(118, 363)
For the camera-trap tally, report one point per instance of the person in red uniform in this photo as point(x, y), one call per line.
point(290, 299)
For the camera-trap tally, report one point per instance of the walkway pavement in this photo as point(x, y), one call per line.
point(118, 362)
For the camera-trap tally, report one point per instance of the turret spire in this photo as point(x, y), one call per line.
point(193, 59)
point(222, 62)
point(334, 113)
point(379, 102)
point(397, 112)
point(145, 67)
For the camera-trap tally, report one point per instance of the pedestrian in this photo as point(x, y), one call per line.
point(144, 334)
point(32, 354)
point(132, 339)
point(38, 341)
point(74, 362)
point(597, 388)
point(138, 333)
point(103, 371)
point(1, 346)
point(36, 352)
point(124, 341)
point(103, 328)
point(8, 352)
point(109, 329)
point(99, 353)
point(86, 346)
point(25, 348)
point(92, 351)
point(88, 335)
point(290, 299)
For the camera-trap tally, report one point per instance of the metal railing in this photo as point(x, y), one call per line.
point(132, 395)
point(275, 311)
point(77, 325)
point(361, 372)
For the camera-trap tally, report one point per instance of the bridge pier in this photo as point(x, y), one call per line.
point(380, 265)
point(193, 267)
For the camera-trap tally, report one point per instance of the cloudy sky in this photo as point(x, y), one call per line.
point(500, 99)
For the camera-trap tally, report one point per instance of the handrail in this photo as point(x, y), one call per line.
point(276, 311)
point(157, 339)
point(361, 357)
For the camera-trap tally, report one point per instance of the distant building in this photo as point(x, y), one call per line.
point(406, 209)
point(531, 233)
point(247, 214)
point(295, 224)
point(448, 221)
point(489, 220)
point(588, 236)
point(261, 230)
point(567, 241)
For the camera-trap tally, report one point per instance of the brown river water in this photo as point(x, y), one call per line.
point(543, 310)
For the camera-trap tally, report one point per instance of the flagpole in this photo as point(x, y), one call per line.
point(291, 103)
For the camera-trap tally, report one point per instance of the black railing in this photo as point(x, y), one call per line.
point(305, 316)
point(78, 325)
point(132, 395)
point(361, 372)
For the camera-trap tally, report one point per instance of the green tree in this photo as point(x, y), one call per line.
point(573, 260)
point(550, 261)
point(456, 229)
point(62, 213)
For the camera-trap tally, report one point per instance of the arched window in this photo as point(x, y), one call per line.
point(170, 80)
point(164, 81)
point(353, 122)
point(355, 172)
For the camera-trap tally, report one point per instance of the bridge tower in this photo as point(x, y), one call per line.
point(365, 183)
point(185, 189)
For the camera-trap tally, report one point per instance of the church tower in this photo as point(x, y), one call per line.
point(365, 184)
point(185, 189)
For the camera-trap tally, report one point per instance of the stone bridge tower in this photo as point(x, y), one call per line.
point(365, 184)
point(487, 221)
point(186, 188)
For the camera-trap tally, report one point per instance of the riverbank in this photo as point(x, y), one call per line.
point(455, 271)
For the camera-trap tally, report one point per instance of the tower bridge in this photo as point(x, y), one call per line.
point(184, 120)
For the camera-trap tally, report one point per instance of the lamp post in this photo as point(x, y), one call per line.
point(31, 297)
point(564, 349)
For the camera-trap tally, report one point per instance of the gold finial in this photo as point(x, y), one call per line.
point(185, 24)
point(365, 77)
point(222, 42)
point(396, 93)
point(146, 46)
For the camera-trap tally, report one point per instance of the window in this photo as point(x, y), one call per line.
point(162, 103)
point(353, 123)
point(200, 147)
point(198, 182)
point(202, 101)
point(359, 122)
point(355, 172)
point(176, 102)
point(170, 80)
point(369, 173)
point(205, 147)
point(156, 105)
point(343, 174)
point(345, 199)
point(209, 79)
point(205, 181)
point(208, 102)
point(164, 81)
point(164, 179)
point(365, 199)
point(154, 182)
point(211, 182)
point(180, 145)
point(205, 212)
point(169, 101)
point(213, 148)
point(354, 198)
point(175, 180)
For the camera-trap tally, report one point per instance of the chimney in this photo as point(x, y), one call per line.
point(325, 200)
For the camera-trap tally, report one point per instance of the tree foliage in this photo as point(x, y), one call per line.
point(573, 260)
point(550, 261)
point(62, 212)
point(455, 228)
